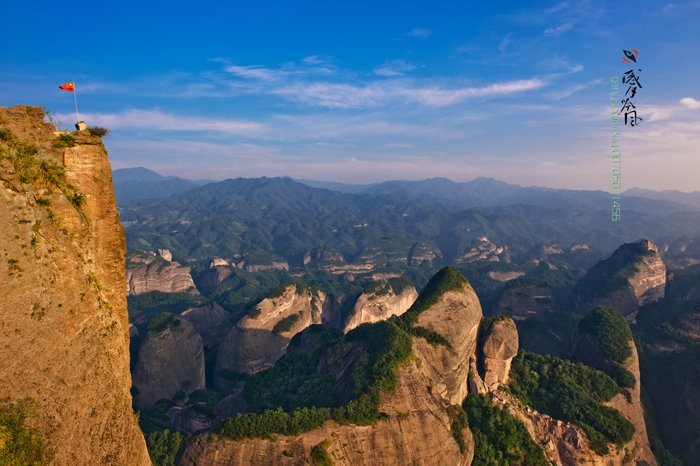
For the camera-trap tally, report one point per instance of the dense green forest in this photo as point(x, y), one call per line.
point(572, 392)
point(500, 438)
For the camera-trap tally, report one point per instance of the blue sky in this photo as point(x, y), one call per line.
point(362, 92)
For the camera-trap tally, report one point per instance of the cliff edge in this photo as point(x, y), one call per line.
point(64, 336)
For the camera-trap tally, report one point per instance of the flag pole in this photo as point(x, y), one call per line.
point(75, 97)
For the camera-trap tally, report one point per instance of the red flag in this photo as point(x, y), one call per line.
point(68, 87)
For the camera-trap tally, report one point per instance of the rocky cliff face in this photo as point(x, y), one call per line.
point(64, 332)
point(456, 316)
point(417, 430)
point(604, 341)
point(419, 424)
point(170, 360)
point(500, 345)
point(147, 272)
point(384, 300)
point(261, 338)
point(524, 299)
point(633, 276)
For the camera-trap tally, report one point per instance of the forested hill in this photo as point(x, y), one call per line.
point(284, 219)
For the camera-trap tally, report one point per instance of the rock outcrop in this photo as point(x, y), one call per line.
point(455, 316)
point(147, 272)
point(525, 298)
point(64, 331)
point(170, 360)
point(210, 321)
point(634, 275)
point(484, 249)
point(417, 425)
point(416, 430)
point(499, 346)
point(384, 299)
point(261, 337)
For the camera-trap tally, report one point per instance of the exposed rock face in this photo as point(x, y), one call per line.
point(456, 316)
point(526, 299)
point(261, 338)
point(483, 249)
point(210, 280)
point(323, 256)
point(422, 253)
point(380, 304)
point(500, 345)
point(505, 276)
point(165, 254)
point(279, 265)
point(209, 321)
point(563, 442)
point(634, 412)
point(417, 431)
point(169, 361)
point(633, 276)
point(64, 329)
point(147, 272)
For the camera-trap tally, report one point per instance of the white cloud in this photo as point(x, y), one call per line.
point(379, 93)
point(557, 30)
point(313, 60)
point(254, 72)
point(155, 120)
point(394, 68)
point(503, 46)
point(690, 102)
point(419, 32)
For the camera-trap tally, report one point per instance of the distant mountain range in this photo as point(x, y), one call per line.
point(286, 219)
point(131, 184)
point(142, 184)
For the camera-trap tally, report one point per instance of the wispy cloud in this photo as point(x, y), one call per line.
point(380, 93)
point(394, 68)
point(503, 46)
point(573, 89)
point(557, 30)
point(419, 32)
point(155, 120)
point(254, 72)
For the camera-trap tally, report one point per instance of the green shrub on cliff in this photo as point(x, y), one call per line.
point(163, 446)
point(610, 331)
point(319, 454)
point(38, 172)
point(607, 330)
point(499, 437)
point(19, 445)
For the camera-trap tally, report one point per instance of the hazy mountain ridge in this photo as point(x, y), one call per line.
point(288, 219)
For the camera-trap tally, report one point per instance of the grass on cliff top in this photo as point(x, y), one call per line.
point(19, 445)
point(40, 173)
point(609, 331)
point(606, 329)
point(395, 284)
point(163, 447)
point(571, 392)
